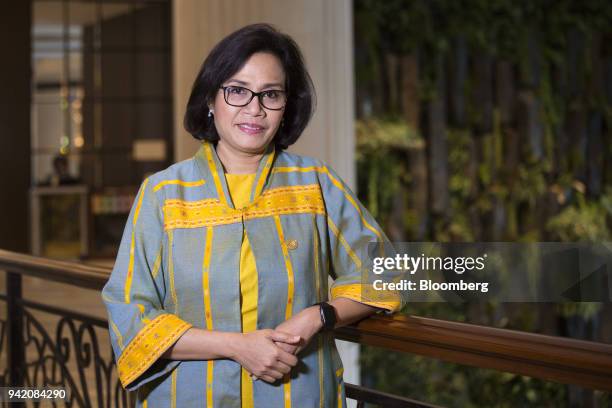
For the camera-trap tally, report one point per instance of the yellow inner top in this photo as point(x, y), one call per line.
point(240, 186)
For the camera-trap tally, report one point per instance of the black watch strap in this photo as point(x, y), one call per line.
point(328, 315)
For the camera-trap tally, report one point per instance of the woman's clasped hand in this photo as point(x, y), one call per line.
point(270, 362)
point(276, 349)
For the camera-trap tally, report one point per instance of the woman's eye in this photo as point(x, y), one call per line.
point(236, 90)
point(271, 94)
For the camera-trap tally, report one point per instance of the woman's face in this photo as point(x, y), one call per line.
point(249, 129)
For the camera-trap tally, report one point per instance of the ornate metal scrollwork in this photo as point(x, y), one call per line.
point(72, 360)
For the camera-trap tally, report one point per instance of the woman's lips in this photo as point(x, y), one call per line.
point(251, 128)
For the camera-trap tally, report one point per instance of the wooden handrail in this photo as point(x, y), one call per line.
point(564, 360)
point(560, 359)
point(72, 273)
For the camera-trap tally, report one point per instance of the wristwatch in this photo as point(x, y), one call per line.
point(328, 315)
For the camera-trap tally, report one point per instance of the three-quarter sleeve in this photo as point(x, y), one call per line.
point(140, 329)
point(353, 238)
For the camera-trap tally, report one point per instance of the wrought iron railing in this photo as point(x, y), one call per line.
point(65, 358)
point(69, 357)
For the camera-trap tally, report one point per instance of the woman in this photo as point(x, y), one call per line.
point(225, 257)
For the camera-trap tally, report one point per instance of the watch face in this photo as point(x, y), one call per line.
point(329, 315)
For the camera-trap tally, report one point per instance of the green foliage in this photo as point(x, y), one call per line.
point(587, 221)
point(453, 385)
point(381, 146)
point(584, 220)
point(499, 27)
point(385, 135)
point(542, 197)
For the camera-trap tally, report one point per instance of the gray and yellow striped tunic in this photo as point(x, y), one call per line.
point(178, 267)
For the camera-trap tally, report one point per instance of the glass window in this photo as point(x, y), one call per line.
point(101, 81)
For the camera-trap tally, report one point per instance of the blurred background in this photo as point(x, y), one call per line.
point(487, 121)
point(454, 121)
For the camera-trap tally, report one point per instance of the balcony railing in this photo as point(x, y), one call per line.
point(62, 359)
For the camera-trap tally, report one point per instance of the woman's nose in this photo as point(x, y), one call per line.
point(254, 107)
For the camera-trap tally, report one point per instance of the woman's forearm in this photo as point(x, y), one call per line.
point(200, 344)
point(258, 351)
point(349, 311)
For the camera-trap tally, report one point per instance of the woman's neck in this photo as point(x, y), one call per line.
point(236, 162)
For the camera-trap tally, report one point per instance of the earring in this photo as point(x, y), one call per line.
point(210, 113)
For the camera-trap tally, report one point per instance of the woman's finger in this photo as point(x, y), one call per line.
point(283, 368)
point(276, 374)
point(287, 347)
point(268, 379)
point(287, 358)
point(283, 337)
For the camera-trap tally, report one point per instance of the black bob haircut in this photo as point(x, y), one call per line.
point(228, 57)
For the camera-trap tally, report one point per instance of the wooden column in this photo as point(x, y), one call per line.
point(15, 162)
point(15, 125)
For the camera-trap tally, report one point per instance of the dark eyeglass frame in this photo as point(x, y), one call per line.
point(253, 94)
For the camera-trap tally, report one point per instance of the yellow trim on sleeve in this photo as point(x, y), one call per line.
point(149, 345)
point(182, 183)
point(389, 300)
point(130, 271)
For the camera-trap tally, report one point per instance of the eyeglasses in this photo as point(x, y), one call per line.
point(273, 99)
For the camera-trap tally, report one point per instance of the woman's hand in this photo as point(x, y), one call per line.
point(304, 324)
point(260, 353)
